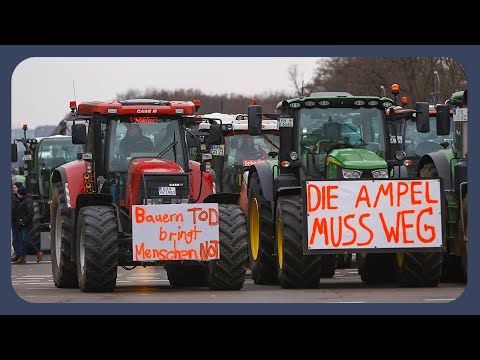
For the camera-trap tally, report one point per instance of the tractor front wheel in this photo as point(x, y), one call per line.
point(295, 270)
point(228, 272)
point(97, 249)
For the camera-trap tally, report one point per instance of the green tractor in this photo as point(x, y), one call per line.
point(42, 155)
point(352, 144)
point(451, 165)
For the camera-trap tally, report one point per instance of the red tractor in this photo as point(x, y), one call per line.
point(135, 199)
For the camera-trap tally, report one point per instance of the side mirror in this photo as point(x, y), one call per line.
point(14, 152)
point(254, 120)
point(215, 136)
point(422, 117)
point(79, 134)
point(443, 119)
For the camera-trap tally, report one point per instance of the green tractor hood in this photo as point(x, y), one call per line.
point(356, 159)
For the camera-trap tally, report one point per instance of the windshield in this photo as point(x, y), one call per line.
point(51, 154)
point(243, 149)
point(322, 130)
point(154, 139)
point(418, 144)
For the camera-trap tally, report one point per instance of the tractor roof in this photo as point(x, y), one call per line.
point(325, 100)
point(137, 106)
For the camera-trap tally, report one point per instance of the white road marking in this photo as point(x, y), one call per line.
point(40, 276)
point(346, 302)
point(36, 283)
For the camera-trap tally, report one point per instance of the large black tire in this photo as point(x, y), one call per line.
point(261, 259)
point(36, 228)
point(181, 275)
point(329, 265)
point(295, 270)
point(376, 268)
point(420, 269)
point(228, 272)
point(425, 269)
point(462, 235)
point(97, 249)
point(63, 269)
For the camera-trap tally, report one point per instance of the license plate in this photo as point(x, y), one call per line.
point(167, 190)
point(285, 122)
point(27, 157)
point(217, 150)
point(460, 114)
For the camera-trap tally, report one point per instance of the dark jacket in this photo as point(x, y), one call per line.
point(15, 202)
point(23, 213)
point(131, 144)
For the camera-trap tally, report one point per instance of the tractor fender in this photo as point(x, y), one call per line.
point(266, 179)
point(222, 198)
point(71, 176)
point(441, 164)
point(287, 190)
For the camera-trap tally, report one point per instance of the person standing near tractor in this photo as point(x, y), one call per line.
point(15, 201)
point(23, 220)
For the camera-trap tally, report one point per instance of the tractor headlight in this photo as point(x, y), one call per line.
point(351, 174)
point(400, 154)
point(293, 155)
point(380, 174)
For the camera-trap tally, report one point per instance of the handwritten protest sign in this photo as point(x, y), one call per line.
point(175, 232)
point(373, 214)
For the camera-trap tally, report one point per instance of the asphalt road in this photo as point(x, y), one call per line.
point(33, 282)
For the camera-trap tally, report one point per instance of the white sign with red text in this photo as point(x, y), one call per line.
point(175, 232)
point(374, 214)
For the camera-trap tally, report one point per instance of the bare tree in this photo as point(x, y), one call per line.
point(365, 75)
point(293, 76)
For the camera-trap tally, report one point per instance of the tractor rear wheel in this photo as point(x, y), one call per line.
point(181, 275)
point(463, 237)
point(64, 270)
point(97, 249)
point(228, 272)
point(419, 268)
point(260, 231)
point(36, 228)
point(376, 268)
point(295, 270)
point(425, 269)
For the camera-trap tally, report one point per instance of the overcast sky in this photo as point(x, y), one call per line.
point(43, 87)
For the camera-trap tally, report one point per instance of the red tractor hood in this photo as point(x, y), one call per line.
point(141, 166)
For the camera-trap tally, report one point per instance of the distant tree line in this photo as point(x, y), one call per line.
point(365, 75)
point(225, 103)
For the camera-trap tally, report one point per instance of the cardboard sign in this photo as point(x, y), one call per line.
point(175, 232)
point(373, 214)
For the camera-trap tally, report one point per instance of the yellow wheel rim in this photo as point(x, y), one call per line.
point(400, 257)
point(254, 228)
point(280, 243)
